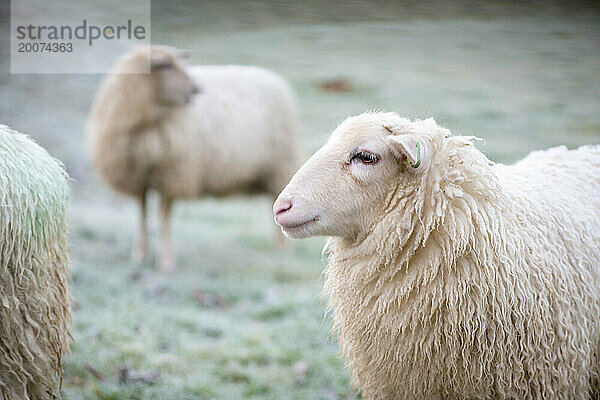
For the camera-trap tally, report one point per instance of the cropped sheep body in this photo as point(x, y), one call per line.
point(35, 314)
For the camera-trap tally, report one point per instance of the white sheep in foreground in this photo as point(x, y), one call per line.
point(35, 313)
point(149, 132)
point(450, 277)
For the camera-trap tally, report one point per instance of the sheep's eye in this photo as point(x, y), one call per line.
point(365, 157)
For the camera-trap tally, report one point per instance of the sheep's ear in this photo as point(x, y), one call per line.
point(409, 147)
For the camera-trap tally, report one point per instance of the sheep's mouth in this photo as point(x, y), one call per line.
point(295, 227)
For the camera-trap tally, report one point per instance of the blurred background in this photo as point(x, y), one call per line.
point(239, 318)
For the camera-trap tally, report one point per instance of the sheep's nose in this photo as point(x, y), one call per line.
point(281, 207)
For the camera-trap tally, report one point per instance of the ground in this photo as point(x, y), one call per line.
point(240, 318)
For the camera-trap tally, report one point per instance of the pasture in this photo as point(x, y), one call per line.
point(239, 318)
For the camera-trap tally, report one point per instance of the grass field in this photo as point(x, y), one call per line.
point(240, 319)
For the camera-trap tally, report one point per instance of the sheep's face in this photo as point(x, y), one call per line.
point(173, 85)
point(343, 188)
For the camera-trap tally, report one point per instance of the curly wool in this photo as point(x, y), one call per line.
point(479, 280)
point(35, 309)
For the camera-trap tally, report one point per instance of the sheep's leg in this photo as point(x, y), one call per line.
point(166, 256)
point(140, 250)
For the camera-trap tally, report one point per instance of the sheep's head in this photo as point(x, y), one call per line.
point(344, 188)
point(156, 74)
point(172, 83)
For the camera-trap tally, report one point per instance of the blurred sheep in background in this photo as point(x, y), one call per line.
point(150, 131)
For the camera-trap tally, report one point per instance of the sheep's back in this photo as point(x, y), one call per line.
point(554, 171)
point(558, 188)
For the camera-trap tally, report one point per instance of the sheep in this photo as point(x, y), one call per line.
point(35, 314)
point(148, 131)
point(450, 277)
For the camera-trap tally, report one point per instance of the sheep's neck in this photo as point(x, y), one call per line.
point(416, 255)
point(135, 124)
point(131, 106)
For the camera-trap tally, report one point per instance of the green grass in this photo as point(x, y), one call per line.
point(239, 318)
point(232, 322)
